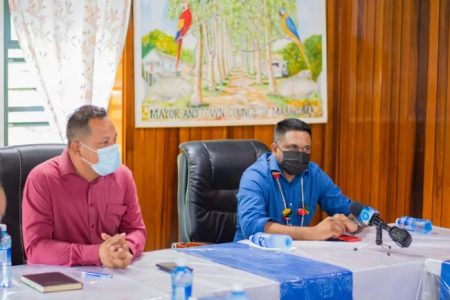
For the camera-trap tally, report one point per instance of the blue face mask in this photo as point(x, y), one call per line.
point(108, 159)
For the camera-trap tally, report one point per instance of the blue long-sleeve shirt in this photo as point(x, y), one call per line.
point(259, 198)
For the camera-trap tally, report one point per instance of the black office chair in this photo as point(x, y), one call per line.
point(16, 163)
point(208, 180)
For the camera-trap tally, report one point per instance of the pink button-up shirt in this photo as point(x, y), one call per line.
point(63, 215)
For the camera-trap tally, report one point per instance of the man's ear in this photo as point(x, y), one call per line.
point(74, 147)
point(273, 147)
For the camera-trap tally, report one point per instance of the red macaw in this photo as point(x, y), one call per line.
point(184, 22)
point(289, 27)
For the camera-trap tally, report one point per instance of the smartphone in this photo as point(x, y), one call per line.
point(169, 266)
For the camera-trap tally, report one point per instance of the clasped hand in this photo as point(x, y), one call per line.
point(334, 226)
point(114, 251)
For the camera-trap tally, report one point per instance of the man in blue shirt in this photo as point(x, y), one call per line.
point(280, 191)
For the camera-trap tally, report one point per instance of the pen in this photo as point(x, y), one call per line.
point(97, 274)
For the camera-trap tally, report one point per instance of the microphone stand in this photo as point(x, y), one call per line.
point(399, 235)
point(379, 238)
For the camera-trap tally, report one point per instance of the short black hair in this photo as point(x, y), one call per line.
point(290, 124)
point(79, 121)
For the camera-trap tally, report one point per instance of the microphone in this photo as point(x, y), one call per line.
point(367, 216)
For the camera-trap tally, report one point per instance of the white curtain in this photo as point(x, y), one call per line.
point(75, 47)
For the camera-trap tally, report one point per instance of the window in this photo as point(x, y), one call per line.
point(25, 120)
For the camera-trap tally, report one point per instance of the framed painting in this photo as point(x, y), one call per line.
point(229, 62)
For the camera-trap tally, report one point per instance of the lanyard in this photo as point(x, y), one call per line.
point(287, 211)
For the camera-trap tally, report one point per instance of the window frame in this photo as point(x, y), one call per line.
point(9, 44)
point(3, 102)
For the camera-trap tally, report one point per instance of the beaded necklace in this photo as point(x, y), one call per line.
point(287, 211)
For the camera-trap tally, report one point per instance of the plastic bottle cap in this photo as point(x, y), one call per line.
point(3, 227)
point(237, 287)
point(181, 262)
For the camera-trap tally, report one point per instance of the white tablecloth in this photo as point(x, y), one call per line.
point(433, 286)
point(376, 275)
point(143, 280)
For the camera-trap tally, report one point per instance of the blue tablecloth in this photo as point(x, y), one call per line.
point(299, 277)
point(445, 280)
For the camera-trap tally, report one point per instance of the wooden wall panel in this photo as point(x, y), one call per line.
point(436, 196)
point(376, 104)
point(387, 139)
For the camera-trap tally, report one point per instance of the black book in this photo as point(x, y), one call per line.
point(51, 282)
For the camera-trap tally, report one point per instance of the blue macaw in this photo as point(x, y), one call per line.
point(289, 27)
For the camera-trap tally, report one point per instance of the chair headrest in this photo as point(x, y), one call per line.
point(225, 160)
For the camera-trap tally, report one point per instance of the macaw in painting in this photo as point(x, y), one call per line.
point(184, 22)
point(289, 27)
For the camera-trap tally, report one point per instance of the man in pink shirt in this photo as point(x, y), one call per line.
point(81, 208)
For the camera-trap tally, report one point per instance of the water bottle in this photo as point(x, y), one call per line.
point(5, 257)
point(268, 240)
point(181, 281)
point(237, 293)
point(414, 224)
